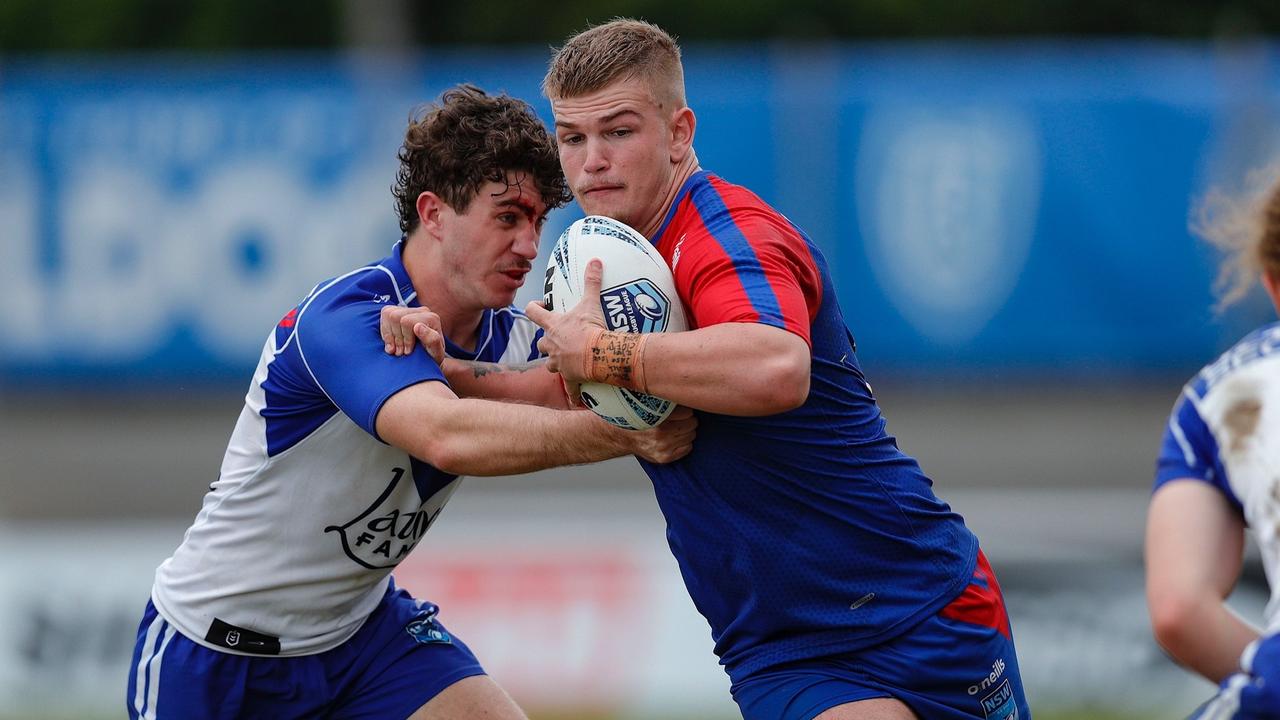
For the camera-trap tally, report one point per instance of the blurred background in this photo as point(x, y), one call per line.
point(1002, 189)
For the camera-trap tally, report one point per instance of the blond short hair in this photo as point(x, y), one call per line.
point(620, 49)
point(1246, 228)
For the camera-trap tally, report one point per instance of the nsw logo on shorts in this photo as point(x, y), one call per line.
point(636, 307)
point(1000, 704)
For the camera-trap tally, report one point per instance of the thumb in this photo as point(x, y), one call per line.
point(540, 315)
point(593, 278)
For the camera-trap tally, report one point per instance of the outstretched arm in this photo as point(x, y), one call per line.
point(403, 328)
point(479, 437)
point(530, 382)
point(1194, 551)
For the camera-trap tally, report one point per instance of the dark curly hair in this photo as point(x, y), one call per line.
point(468, 138)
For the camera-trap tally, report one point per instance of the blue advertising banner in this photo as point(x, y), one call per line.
point(1016, 208)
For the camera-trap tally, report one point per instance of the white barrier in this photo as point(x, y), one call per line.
point(574, 604)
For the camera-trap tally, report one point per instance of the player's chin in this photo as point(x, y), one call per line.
point(610, 204)
point(501, 297)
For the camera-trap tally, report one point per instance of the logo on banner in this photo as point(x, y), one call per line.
point(948, 199)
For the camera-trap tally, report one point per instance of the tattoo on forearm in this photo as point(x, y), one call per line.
point(480, 369)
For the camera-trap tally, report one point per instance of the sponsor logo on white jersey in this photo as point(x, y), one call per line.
point(382, 535)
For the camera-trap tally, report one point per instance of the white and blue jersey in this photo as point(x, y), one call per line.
point(294, 544)
point(1225, 431)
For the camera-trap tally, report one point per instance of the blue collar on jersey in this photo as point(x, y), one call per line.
point(675, 204)
point(395, 263)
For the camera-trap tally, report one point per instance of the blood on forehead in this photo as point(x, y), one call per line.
point(519, 190)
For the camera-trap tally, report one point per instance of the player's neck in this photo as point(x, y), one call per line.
point(460, 324)
point(683, 172)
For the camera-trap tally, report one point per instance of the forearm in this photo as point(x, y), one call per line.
point(525, 383)
point(480, 437)
point(732, 369)
point(1210, 640)
point(1194, 549)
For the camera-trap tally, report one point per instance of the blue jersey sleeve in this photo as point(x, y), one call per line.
point(1190, 451)
point(339, 343)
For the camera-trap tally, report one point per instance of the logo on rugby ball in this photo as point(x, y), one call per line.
point(638, 306)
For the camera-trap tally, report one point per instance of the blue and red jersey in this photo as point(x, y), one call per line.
point(807, 533)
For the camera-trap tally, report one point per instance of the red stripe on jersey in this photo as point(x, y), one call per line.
point(981, 603)
point(783, 253)
point(735, 259)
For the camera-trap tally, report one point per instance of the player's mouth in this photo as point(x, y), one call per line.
point(516, 275)
point(594, 191)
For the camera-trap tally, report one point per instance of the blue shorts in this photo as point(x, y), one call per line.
point(1254, 692)
point(959, 664)
point(399, 659)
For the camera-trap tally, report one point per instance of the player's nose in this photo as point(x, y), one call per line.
point(597, 156)
point(526, 242)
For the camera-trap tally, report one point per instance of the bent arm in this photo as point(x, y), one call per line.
point(743, 369)
point(1194, 553)
point(526, 383)
point(479, 437)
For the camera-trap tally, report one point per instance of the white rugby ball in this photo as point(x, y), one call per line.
point(637, 294)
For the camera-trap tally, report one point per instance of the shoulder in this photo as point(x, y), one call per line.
point(714, 197)
point(1239, 389)
point(366, 288)
point(1227, 398)
point(1260, 347)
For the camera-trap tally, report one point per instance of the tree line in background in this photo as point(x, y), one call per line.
point(34, 26)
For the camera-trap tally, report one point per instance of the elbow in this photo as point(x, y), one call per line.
point(784, 382)
point(442, 452)
point(1174, 622)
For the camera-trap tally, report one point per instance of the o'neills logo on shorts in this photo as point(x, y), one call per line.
point(1000, 703)
point(997, 669)
point(382, 535)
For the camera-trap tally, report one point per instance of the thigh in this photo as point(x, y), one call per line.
point(876, 709)
point(958, 664)
point(474, 698)
point(805, 690)
point(402, 660)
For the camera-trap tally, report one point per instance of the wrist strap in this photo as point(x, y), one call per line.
point(616, 358)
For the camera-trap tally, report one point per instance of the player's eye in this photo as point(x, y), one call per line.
point(621, 132)
point(508, 218)
point(570, 139)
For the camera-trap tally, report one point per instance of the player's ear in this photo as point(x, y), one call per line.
point(683, 123)
point(430, 206)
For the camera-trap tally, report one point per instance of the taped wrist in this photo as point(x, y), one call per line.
point(616, 358)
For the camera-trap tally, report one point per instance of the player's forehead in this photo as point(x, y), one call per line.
point(518, 190)
point(619, 99)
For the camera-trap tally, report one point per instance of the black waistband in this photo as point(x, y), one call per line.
point(229, 636)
